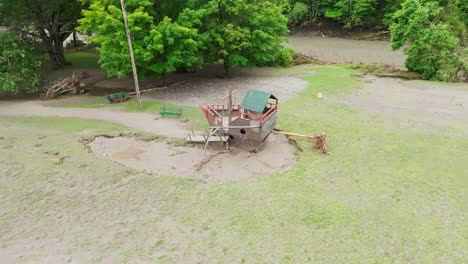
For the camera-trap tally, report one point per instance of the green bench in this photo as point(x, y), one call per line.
point(117, 97)
point(171, 110)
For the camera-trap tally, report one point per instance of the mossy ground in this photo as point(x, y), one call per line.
point(388, 194)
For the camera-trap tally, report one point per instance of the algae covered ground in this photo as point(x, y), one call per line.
point(391, 192)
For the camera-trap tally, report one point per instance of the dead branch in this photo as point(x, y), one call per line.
point(161, 87)
point(378, 34)
point(321, 139)
point(200, 165)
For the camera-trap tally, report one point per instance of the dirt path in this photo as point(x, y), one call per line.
point(342, 50)
point(144, 122)
point(420, 101)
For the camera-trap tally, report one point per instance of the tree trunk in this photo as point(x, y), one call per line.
point(54, 46)
point(164, 81)
point(60, 53)
point(75, 40)
point(227, 73)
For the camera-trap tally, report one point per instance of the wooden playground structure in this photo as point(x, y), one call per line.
point(248, 125)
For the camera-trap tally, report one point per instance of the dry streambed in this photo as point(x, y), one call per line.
point(166, 159)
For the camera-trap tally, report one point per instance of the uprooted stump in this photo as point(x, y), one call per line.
point(68, 85)
point(321, 140)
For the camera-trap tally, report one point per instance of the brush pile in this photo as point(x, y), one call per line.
point(66, 86)
point(300, 59)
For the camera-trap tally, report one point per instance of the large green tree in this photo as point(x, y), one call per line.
point(433, 37)
point(160, 45)
point(20, 62)
point(239, 32)
point(52, 21)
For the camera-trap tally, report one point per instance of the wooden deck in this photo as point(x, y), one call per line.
point(202, 139)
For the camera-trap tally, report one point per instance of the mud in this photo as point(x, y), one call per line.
point(419, 101)
point(341, 50)
point(166, 159)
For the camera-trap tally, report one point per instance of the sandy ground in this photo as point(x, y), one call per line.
point(165, 159)
point(429, 102)
point(203, 87)
point(341, 50)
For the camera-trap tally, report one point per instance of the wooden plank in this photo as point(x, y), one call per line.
point(202, 139)
point(227, 127)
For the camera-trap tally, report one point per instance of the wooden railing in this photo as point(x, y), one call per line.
point(268, 114)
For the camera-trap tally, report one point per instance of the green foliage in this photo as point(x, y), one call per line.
point(356, 13)
point(299, 14)
point(433, 41)
point(51, 21)
point(350, 13)
point(241, 33)
point(160, 46)
point(20, 63)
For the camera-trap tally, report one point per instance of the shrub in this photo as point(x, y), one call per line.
point(21, 61)
point(434, 44)
point(299, 14)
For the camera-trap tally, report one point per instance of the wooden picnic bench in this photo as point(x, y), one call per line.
point(170, 110)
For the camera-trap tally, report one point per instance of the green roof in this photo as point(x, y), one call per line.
point(256, 100)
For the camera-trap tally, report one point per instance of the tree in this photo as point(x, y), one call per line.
point(239, 32)
point(435, 40)
point(160, 45)
point(20, 62)
point(50, 20)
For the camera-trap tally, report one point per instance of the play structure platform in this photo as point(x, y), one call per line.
point(244, 126)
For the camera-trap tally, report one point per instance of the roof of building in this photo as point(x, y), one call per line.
point(256, 100)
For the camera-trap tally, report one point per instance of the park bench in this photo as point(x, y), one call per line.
point(117, 97)
point(170, 110)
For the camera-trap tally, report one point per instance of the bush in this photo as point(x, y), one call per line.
point(433, 54)
point(299, 14)
point(20, 63)
point(433, 42)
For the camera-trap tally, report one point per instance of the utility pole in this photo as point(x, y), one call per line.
point(132, 56)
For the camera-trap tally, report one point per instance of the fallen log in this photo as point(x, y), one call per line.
point(158, 88)
point(320, 138)
point(378, 34)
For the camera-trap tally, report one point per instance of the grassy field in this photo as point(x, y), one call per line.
point(390, 193)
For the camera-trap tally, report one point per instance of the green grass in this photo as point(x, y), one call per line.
point(66, 125)
point(82, 60)
point(78, 60)
point(387, 194)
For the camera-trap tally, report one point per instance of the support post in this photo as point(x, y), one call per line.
point(230, 106)
point(132, 56)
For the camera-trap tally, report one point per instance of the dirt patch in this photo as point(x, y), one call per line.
point(203, 87)
point(341, 50)
point(166, 159)
point(429, 102)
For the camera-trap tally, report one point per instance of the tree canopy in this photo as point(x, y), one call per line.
point(20, 62)
point(52, 21)
point(435, 37)
point(240, 33)
point(160, 44)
